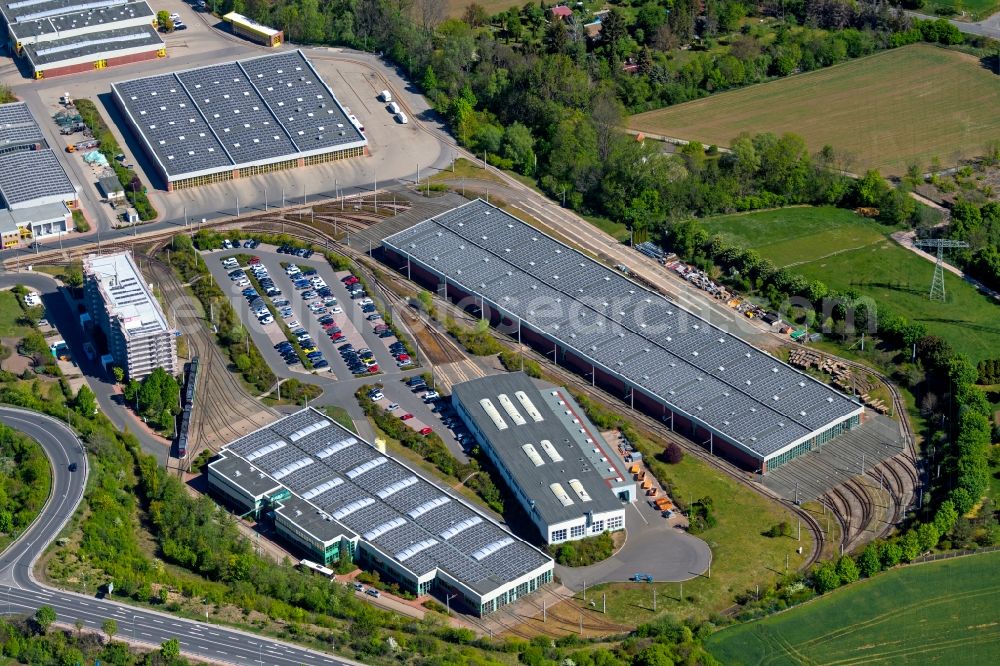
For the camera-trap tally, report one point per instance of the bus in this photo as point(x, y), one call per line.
point(250, 29)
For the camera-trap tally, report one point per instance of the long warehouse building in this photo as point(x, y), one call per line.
point(61, 37)
point(663, 359)
point(238, 119)
point(330, 493)
point(568, 480)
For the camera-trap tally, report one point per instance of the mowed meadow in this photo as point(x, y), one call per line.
point(847, 251)
point(885, 111)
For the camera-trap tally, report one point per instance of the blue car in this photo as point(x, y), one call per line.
point(321, 364)
point(316, 355)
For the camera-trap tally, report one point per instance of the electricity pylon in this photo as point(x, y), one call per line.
point(937, 284)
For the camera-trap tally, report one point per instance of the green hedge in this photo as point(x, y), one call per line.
point(432, 449)
point(135, 191)
point(231, 335)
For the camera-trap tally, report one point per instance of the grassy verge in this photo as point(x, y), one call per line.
point(25, 481)
point(341, 416)
point(942, 612)
point(293, 392)
point(742, 556)
point(12, 322)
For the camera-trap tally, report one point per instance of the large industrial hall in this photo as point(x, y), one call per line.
point(62, 37)
point(238, 119)
point(664, 360)
point(35, 207)
point(554, 460)
point(330, 492)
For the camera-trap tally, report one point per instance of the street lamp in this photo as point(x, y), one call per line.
point(447, 601)
point(265, 198)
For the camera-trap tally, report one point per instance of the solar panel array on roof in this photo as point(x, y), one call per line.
point(58, 51)
point(18, 127)
point(249, 112)
point(693, 366)
point(71, 18)
point(26, 175)
point(400, 513)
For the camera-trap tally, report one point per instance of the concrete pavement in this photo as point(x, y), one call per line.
point(651, 547)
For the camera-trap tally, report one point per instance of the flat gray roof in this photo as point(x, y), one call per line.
point(126, 293)
point(18, 127)
point(47, 177)
point(256, 111)
point(696, 368)
point(15, 11)
point(526, 419)
point(99, 18)
point(349, 484)
point(57, 51)
point(243, 474)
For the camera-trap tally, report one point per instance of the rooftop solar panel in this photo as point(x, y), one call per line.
point(245, 113)
point(394, 508)
point(482, 248)
point(47, 177)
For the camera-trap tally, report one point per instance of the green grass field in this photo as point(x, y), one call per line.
point(975, 10)
point(456, 8)
point(741, 555)
point(944, 612)
point(846, 251)
point(10, 312)
point(883, 111)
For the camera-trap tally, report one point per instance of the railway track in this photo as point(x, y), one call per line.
point(657, 431)
point(223, 410)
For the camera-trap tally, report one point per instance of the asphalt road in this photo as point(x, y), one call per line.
point(21, 593)
point(62, 314)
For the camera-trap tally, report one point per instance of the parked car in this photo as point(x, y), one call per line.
point(426, 431)
point(406, 417)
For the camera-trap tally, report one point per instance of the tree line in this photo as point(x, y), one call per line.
point(212, 563)
point(978, 225)
point(535, 94)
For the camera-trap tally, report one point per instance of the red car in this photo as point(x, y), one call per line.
point(425, 431)
point(337, 337)
point(349, 277)
point(351, 280)
point(327, 326)
point(403, 357)
point(254, 261)
point(406, 417)
point(372, 369)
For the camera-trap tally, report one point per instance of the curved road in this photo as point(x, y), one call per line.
point(20, 592)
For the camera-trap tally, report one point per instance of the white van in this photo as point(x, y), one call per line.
point(385, 96)
point(401, 117)
point(393, 108)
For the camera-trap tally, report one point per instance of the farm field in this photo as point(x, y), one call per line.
point(942, 612)
point(885, 111)
point(846, 251)
point(455, 8)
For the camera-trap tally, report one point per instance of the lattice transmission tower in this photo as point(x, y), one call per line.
point(937, 283)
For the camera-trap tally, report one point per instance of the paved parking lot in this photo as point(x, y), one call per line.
point(265, 336)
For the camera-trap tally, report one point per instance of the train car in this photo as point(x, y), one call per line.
point(191, 382)
point(182, 432)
